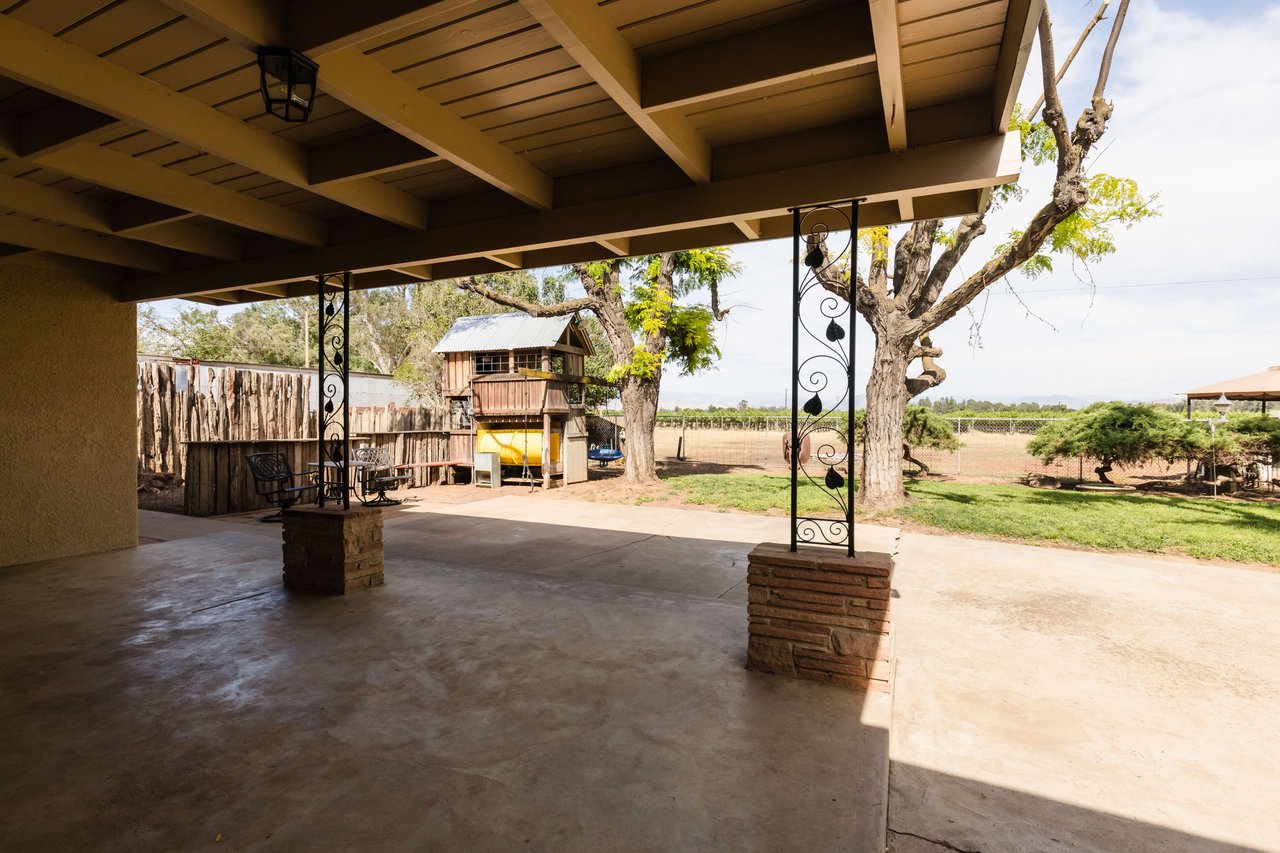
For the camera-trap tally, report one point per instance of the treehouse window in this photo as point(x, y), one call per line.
point(574, 393)
point(490, 362)
point(529, 360)
point(557, 363)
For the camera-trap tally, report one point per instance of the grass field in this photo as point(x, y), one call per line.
point(1225, 529)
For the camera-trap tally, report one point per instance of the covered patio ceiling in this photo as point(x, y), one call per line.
point(460, 137)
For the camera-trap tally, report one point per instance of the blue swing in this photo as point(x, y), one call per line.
point(604, 455)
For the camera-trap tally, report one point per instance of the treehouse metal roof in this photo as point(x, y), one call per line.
point(513, 330)
point(459, 137)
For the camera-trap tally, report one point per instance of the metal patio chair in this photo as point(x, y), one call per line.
point(378, 475)
point(275, 480)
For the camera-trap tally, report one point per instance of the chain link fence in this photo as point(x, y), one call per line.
point(990, 449)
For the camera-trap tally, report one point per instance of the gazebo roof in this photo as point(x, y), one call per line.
point(1255, 386)
point(460, 137)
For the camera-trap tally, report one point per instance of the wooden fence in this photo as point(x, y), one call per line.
point(239, 405)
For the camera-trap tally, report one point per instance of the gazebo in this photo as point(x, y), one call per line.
point(1259, 387)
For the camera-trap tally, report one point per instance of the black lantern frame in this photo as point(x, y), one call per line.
point(288, 83)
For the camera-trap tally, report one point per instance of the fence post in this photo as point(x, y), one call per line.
point(958, 432)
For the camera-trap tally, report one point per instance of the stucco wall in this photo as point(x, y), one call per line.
point(67, 411)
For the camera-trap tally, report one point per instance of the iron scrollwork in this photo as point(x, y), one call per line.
point(334, 375)
point(822, 402)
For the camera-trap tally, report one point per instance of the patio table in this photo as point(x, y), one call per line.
point(333, 485)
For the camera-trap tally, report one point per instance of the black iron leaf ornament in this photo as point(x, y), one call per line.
point(814, 406)
point(815, 258)
point(834, 332)
point(329, 309)
point(328, 408)
point(337, 358)
point(833, 479)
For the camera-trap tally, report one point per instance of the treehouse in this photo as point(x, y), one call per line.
point(514, 385)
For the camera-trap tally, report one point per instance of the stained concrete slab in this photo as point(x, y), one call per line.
point(1062, 700)
point(491, 696)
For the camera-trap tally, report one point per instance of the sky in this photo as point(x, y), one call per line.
point(1189, 298)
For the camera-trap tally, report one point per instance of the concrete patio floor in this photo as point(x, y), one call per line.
point(575, 682)
point(1051, 700)
point(576, 685)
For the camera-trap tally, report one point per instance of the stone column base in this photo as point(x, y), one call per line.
point(817, 614)
point(332, 550)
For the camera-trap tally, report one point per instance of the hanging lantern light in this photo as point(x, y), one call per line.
point(288, 82)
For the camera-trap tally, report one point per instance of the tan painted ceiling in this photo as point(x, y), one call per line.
point(466, 136)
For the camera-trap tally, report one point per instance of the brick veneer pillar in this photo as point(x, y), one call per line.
point(332, 550)
point(817, 614)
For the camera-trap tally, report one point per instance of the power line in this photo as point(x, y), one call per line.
point(1151, 284)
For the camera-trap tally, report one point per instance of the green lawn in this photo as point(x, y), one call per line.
point(1224, 529)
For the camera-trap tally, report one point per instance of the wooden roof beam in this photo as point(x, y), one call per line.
point(370, 87)
point(583, 29)
point(38, 59)
point(619, 246)
point(373, 89)
point(884, 29)
point(119, 171)
point(1021, 21)
point(750, 228)
point(83, 211)
point(953, 167)
point(67, 240)
point(792, 50)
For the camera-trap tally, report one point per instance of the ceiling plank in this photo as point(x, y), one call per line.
point(787, 51)
point(83, 211)
point(951, 167)
point(318, 27)
point(750, 228)
point(109, 168)
point(584, 30)
point(58, 125)
point(362, 156)
point(376, 91)
point(186, 237)
point(884, 29)
point(66, 240)
point(51, 64)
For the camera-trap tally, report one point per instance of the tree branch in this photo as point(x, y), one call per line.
point(715, 302)
point(533, 309)
point(1066, 63)
point(1104, 68)
point(1053, 114)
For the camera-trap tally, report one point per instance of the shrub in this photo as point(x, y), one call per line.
point(1119, 434)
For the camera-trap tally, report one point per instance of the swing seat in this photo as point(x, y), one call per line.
point(604, 455)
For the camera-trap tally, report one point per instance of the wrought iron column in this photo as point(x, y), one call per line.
point(822, 362)
point(334, 374)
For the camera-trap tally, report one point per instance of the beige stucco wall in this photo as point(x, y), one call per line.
point(67, 412)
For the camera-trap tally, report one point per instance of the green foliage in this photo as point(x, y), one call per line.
point(688, 330)
point(1119, 434)
point(1255, 436)
point(921, 427)
point(266, 334)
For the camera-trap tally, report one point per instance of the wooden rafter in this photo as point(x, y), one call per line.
point(49, 63)
point(585, 32)
point(816, 44)
point(963, 166)
point(884, 29)
point(66, 240)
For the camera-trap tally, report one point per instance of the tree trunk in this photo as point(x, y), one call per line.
point(640, 412)
point(881, 484)
point(1102, 471)
point(907, 457)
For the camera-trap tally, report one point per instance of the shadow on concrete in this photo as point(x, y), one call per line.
point(932, 812)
